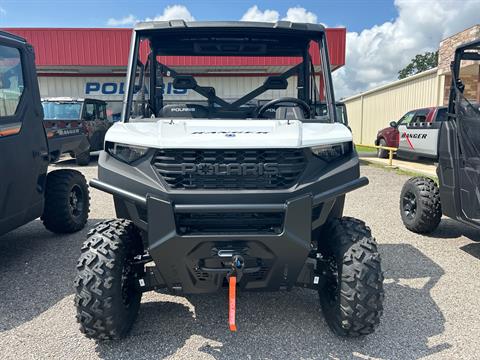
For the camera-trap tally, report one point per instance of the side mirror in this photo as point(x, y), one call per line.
point(393, 124)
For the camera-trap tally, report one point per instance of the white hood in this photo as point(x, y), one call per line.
point(224, 134)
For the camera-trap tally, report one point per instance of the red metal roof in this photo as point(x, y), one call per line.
point(56, 47)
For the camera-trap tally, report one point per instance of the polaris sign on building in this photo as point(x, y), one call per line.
point(92, 63)
point(96, 88)
point(109, 89)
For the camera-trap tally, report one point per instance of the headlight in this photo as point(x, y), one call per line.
point(332, 152)
point(124, 152)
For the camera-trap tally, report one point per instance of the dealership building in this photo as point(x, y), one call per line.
point(92, 63)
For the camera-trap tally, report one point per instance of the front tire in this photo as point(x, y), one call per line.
point(420, 205)
point(382, 153)
point(67, 201)
point(351, 291)
point(107, 299)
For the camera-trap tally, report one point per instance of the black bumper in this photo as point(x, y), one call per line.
point(190, 262)
point(316, 199)
point(188, 233)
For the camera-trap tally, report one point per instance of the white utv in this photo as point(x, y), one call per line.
point(227, 193)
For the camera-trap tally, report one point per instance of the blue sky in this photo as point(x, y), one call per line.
point(382, 35)
point(355, 15)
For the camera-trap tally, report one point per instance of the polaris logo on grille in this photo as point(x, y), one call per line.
point(234, 169)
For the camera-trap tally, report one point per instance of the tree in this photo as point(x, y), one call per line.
point(419, 63)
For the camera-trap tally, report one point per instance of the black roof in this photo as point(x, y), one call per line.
point(230, 38)
point(225, 25)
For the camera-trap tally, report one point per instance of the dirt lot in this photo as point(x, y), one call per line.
point(432, 305)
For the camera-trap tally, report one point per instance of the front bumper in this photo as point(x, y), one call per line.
point(190, 260)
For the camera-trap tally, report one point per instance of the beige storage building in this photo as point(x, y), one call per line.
point(373, 110)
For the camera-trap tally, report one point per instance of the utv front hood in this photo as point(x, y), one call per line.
point(227, 133)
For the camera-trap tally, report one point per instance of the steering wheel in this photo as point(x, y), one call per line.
point(305, 107)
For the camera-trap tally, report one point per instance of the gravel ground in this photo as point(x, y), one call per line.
point(431, 306)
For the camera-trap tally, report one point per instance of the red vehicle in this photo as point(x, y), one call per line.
point(389, 135)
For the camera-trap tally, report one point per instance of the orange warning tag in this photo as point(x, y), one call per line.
point(232, 284)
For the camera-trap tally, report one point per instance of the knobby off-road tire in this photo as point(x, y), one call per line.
point(67, 201)
point(420, 205)
point(382, 153)
point(83, 159)
point(106, 299)
point(351, 293)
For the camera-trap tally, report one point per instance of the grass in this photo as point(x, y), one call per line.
point(365, 149)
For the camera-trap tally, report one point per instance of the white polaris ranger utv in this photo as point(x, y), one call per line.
point(227, 193)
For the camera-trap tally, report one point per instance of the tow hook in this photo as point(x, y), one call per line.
point(238, 263)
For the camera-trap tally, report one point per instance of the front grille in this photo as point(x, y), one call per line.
point(233, 223)
point(229, 169)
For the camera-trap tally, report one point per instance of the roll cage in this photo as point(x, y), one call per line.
point(469, 51)
point(179, 38)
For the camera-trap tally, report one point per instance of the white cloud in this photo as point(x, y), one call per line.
point(255, 14)
point(171, 12)
point(294, 14)
point(127, 20)
point(299, 14)
point(375, 55)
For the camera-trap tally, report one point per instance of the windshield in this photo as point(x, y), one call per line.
point(61, 110)
point(192, 76)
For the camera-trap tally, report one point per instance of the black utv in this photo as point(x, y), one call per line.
point(27, 192)
point(224, 195)
point(457, 195)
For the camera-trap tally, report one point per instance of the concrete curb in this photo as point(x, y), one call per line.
point(423, 169)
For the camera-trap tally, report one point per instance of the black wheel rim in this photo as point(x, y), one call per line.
point(409, 203)
point(76, 201)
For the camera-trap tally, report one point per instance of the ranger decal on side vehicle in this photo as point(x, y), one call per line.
point(414, 136)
